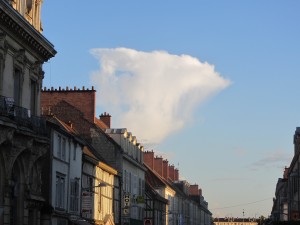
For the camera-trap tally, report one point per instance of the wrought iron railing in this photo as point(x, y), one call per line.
point(22, 116)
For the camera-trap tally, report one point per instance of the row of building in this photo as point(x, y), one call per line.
point(236, 221)
point(59, 163)
point(286, 203)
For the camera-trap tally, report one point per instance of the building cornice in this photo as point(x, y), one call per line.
point(17, 26)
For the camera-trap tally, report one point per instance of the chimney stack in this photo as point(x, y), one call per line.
point(149, 159)
point(158, 165)
point(194, 190)
point(165, 169)
point(172, 172)
point(176, 175)
point(106, 119)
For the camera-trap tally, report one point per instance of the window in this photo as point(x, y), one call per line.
point(60, 191)
point(90, 183)
point(61, 147)
point(1, 72)
point(140, 187)
point(74, 152)
point(124, 181)
point(100, 199)
point(28, 6)
point(129, 182)
point(17, 87)
point(58, 146)
point(134, 186)
point(33, 97)
point(74, 195)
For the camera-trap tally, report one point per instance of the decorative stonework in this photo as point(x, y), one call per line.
point(6, 135)
point(24, 32)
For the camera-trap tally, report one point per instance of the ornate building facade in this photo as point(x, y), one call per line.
point(23, 140)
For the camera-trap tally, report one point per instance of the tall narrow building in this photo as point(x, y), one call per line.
point(23, 140)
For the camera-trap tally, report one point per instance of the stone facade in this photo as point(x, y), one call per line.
point(23, 140)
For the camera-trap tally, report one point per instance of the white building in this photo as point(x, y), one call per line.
point(65, 169)
point(133, 174)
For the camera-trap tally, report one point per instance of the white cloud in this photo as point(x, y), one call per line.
point(277, 159)
point(153, 94)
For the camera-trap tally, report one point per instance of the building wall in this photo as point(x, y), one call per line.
point(15, 57)
point(83, 100)
point(67, 169)
point(239, 222)
point(102, 200)
point(30, 10)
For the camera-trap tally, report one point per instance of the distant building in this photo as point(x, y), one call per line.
point(133, 171)
point(280, 202)
point(286, 204)
point(235, 221)
point(186, 205)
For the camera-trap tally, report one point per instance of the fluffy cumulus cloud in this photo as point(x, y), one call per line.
point(153, 94)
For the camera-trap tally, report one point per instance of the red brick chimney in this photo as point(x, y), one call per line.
point(106, 118)
point(84, 100)
point(172, 172)
point(194, 190)
point(149, 159)
point(176, 175)
point(158, 165)
point(165, 169)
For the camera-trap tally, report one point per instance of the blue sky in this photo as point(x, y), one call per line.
point(230, 132)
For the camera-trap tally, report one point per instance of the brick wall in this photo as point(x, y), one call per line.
point(104, 146)
point(172, 172)
point(158, 165)
point(149, 159)
point(194, 190)
point(165, 169)
point(84, 100)
point(106, 119)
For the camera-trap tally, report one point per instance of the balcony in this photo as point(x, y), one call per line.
point(21, 116)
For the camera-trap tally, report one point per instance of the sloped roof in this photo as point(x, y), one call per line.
point(153, 179)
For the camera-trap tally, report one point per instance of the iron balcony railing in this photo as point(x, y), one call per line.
point(21, 116)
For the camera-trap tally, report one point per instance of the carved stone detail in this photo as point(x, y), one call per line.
point(6, 135)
